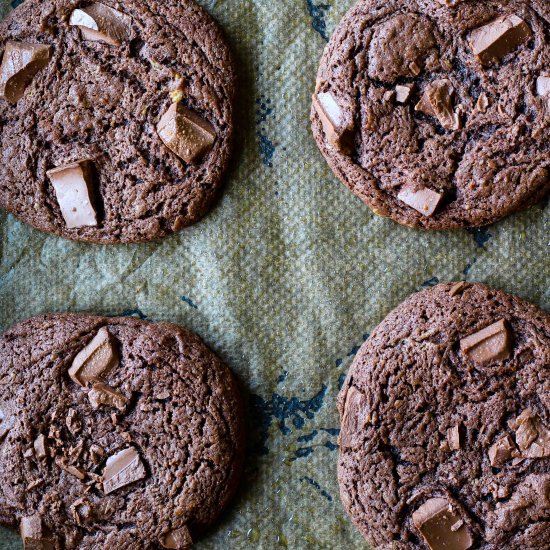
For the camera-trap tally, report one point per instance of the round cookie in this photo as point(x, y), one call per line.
point(116, 117)
point(445, 437)
point(114, 432)
point(435, 112)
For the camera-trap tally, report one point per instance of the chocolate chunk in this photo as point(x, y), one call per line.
point(403, 93)
point(101, 394)
point(453, 437)
point(493, 41)
point(34, 535)
point(423, 200)
point(73, 422)
point(458, 288)
point(34, 484)
point(524, 427)
point(390, 95)
point(450, 3)
point(20, 64)
point(338, 131)
point(185, 133)
point(100, 23)
point(4, 426)
point(543, 85)
point(438, 101)
point(414, 68)
point(69, 468)
point(179, 539)
point(76, 472)
point(73, 185)
point(440, 526)
point(75, 451)
point(482, 103)
point(96, 453)
point(493, 343)
point(39, 445)
point(55, 434)
point(121, 469)
point(354, 418)
point(532, 436)
point(499, 492)
point(501, 451)
point(96, 360)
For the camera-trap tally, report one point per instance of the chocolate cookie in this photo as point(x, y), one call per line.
point(445, 439)
point(114, 433)
point(436, 112)
point(116, 118)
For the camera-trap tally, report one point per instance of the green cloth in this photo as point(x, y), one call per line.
point(284, 279)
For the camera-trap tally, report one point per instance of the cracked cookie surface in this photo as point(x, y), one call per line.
point(446, 410)
point(114, 432)
point(442, 108)
point(103, 102)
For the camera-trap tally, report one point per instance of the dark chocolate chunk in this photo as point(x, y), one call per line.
point(493, 41)
point(532, 436)
point(355, 416)
point(390, 95)
point(96, 360)
point(73, 422)
point(69, 468)
point(178, 539)
point(458, 288)
point(403, 92)
point(441, 526)
point(482, 103)
point(453, 438)
point(4, 425)
point(502, 451)
point(74, 190)
point(338, 132)
point(34, 535)
point(82, 511)
point(20, 64)
point(100, 23)
point(96, 453)
point(423, 200)
point(40, 449)
point(450, 3)
point(437, 101)
point(185, 133)
point(491, 344)
point(414, 68)
point(121, 469)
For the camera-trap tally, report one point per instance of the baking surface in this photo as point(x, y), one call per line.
point(284, 279)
